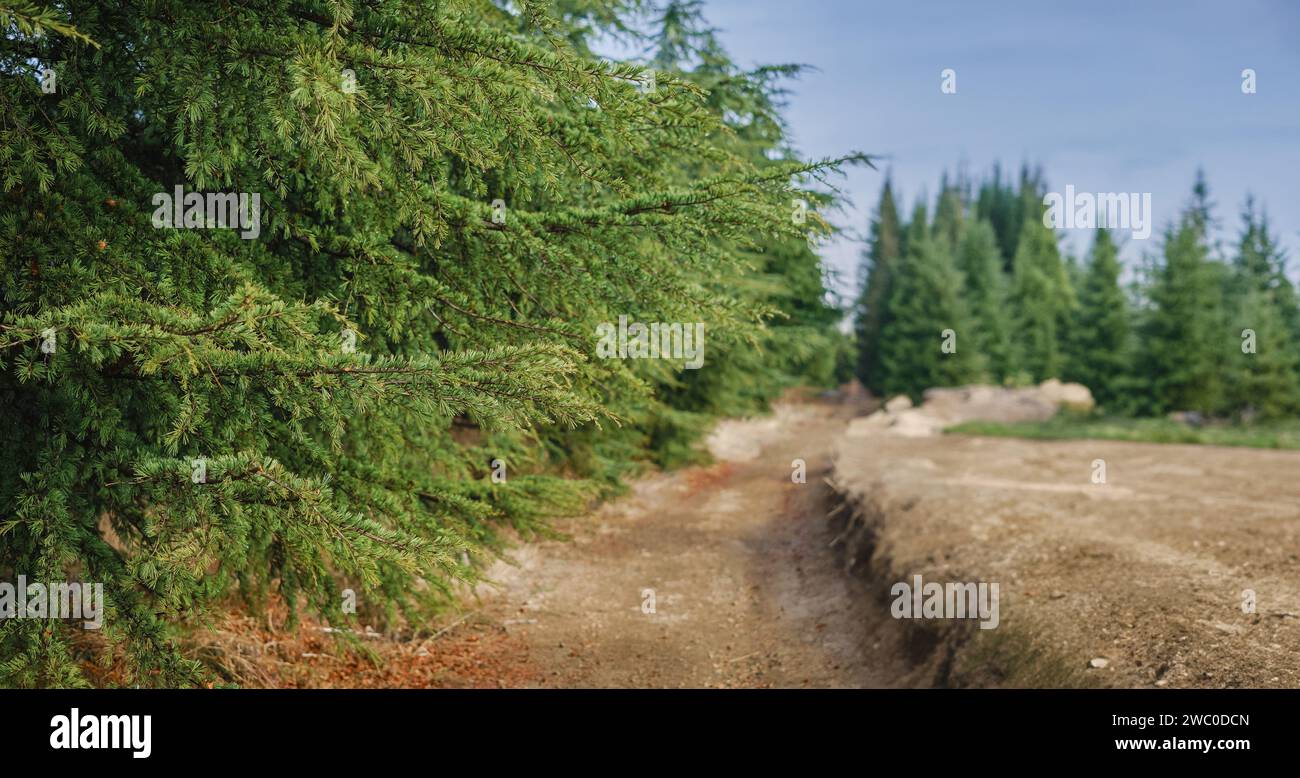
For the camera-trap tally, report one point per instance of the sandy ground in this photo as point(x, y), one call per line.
point(1138, 581)
point(747, 589)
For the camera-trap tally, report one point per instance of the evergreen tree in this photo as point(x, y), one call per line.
point(800, 342)
point(1184, 333)
point(1041, 299)
point(1006, 205)
point(998, 204)
point(925, 312)
point(1101, 338)
point(871, 311)
point(1263, 368)
point(454, 198)
point(1262, 309)
point(949, 218)
point(1261, 264)
point(980, 263)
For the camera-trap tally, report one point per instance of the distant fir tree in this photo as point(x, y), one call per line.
point(925, 301)
point(1263, 356)
point(994, 204)
point(1262, 371)
point(1260, 263)
point(1041, 296)
point(871, 314)
point(980, 262)
point(949, 217)
point(1005, 204)
point(1184, 333)
point(1101, 336)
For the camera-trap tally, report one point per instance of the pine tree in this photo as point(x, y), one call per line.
point(1101, 335)
point(454, 198)
point(1262, 310)
point(980, 263)
point(926, 312)
point(800, 342)
point(1005, 206)
point(949, 217)
point(1260, 263)
point(1184, 335)
point(872, 311)
point(994, 204)
point(1263, 369)
point(1041, 297)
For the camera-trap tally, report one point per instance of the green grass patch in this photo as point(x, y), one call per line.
point(1283, 433)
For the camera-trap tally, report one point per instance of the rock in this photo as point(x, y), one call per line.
point(915, 424)
point(1073, 396)
point(1099, 663)
point(898, 403)
point(947, 406)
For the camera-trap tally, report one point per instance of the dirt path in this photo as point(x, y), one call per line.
point(747, 591)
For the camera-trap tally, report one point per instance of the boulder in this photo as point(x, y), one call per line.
point(898, 403)
point(1076, 397)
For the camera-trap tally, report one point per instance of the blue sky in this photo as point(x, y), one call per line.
point(1107, 96)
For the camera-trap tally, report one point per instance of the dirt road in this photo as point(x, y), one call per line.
point(747, 591)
